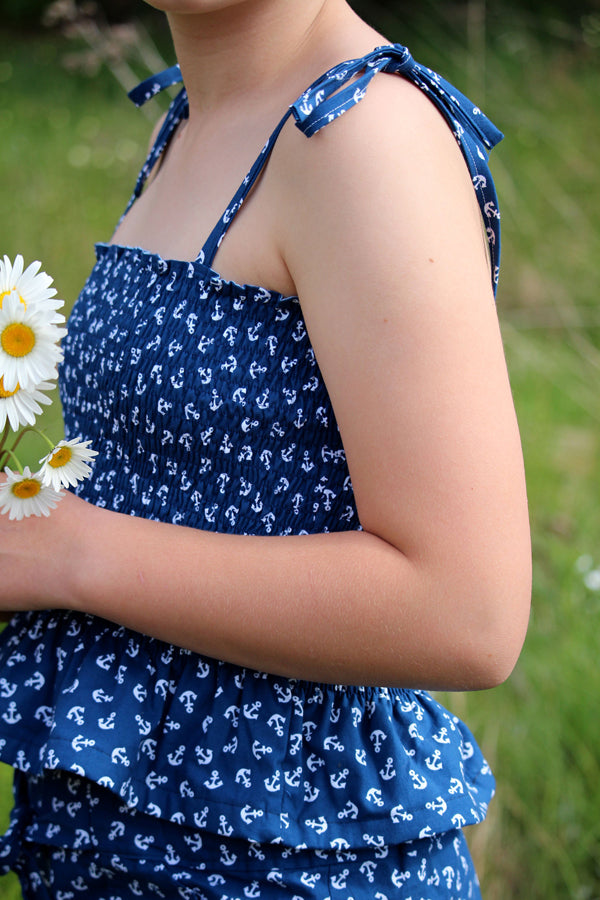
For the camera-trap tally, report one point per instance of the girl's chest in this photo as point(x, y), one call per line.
point(189, 198)
point(177, 348)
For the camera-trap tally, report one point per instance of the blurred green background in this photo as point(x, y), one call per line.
point(70, 146)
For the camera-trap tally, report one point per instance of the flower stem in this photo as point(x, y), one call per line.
point(20, 437)
point(3, 439)
point(4, 435)
point(42, 434)
point(6, 452)
point(33, 430)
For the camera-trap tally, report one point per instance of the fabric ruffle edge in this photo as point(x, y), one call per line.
point(229, 750)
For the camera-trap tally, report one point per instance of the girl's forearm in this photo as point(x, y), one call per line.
point(344, 608)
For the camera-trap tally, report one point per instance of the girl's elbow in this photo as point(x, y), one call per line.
point(497, 643)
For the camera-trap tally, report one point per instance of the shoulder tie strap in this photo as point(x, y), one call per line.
point(333, 94)
point(208, 252)
point(153, 85)
point(177, 110)
point(345, 85)
point(341, 88)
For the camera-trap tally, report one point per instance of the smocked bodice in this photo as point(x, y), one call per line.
point(205, 400)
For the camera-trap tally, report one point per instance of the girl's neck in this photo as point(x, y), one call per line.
point(253, 49)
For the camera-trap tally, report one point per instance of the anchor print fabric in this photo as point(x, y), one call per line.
point(210, 411)
point(234, 751)
point(83, 844)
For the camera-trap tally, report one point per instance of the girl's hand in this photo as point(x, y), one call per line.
point(39, 556)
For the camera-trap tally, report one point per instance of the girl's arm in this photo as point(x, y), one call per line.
point(381, 233)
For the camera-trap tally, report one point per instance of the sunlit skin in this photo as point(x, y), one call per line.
point(396, 294)
point(192, 7)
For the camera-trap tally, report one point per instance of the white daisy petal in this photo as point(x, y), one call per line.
point(21, 407)
point(10, 273)
point(29, 350)
point(25, 495)
point(31, 285)
point(67, 464)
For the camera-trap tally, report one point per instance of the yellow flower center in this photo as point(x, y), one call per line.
point(60, 458)
point(26, 488)
point(3, 393)
point(17, 339)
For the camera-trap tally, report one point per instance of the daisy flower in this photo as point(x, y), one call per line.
point(21, 407)
point(32, 286)
point(67, 464)
point(25, 495)
point(29, 351)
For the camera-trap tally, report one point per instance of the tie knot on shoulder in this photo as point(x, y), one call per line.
point(345, 85)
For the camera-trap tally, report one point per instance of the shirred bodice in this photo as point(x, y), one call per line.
point(206, 401)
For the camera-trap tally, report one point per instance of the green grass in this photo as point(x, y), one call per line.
point(70, 147)
point(539, 729)
point(69, 151)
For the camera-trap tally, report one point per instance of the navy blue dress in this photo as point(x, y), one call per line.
point(205, 400)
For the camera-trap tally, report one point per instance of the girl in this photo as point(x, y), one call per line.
point(309, 505)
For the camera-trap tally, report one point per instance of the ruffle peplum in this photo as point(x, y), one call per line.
point(230, 750)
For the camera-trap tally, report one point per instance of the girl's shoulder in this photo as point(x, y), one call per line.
point(380, 126)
